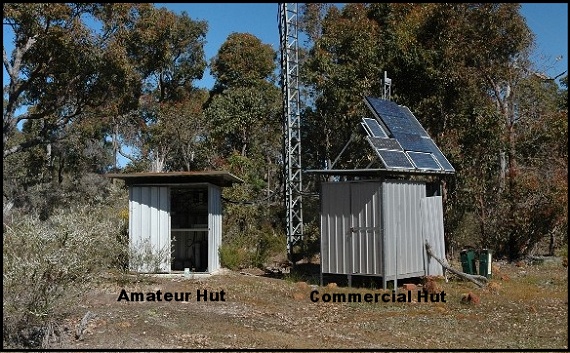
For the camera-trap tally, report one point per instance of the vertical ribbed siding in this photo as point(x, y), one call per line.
point(433, 233)
point(351, 237)
point(360, 222)
point(149, 223)
point(335, 224)
point(365, 251)
point(402, 222)
point(215, 227)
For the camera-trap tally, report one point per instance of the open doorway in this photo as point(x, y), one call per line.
point(189, 228)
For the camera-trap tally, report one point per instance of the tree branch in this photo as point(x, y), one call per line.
point(15, 68)
point(26, 144)
point(473, 278)
point(129, 157)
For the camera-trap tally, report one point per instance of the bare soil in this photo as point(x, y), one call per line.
point(525, 307)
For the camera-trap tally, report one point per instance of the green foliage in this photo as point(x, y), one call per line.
point(245, 119)
point(344, 64)
point(169, 48)
point(251, 249)
point(461, 68)
point(244, 112)
point(177, 133)
point(269, 244)
point(82, 84)
point(252, 219)
point(233, 256)
point(243, 60)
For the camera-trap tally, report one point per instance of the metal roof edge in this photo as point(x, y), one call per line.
point(368, 172)
point(221, 178)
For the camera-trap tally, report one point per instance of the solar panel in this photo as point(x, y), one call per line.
point(414, 142)
point(374, 128)
point(418, 128)
point(384, 107)
point(424, 160)
point(385, 143)
point(442, 160)
point(421, 144)
point(397, 118)
point(394, 159)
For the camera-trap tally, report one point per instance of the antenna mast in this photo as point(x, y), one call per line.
point(289, 40)
point(387, 90)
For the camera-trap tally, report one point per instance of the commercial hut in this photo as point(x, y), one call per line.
point(175, 220)
point(377, 214)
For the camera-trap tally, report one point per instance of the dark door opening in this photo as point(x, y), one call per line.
point(189, 228)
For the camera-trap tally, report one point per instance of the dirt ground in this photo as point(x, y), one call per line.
point(525, 307)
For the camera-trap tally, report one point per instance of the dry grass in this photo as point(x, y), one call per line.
point(528, 311)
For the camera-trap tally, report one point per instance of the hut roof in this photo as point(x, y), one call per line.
point(219, 178)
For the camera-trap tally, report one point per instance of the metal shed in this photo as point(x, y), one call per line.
point(379, 228)
point(175, 220)
point(380, 209)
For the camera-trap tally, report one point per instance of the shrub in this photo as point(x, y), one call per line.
point(48, 264)
point(232, 256)
point(144, 257)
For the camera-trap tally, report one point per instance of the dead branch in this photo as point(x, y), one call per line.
point(473, 278)
point(80, 328)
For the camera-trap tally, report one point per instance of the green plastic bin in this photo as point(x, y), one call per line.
point(485, 263)
point(468, 261)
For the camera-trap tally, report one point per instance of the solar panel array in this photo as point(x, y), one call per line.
point(400, 140)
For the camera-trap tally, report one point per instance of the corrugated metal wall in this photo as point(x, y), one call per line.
point(335, 227)
point(378, 228)
point(366, 237)
point(215, 227)
point(432, 221)
point(351, 237)
point(149, 225)
point(402, 222)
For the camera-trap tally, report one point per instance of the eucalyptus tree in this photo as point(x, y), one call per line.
point(63, 77)
point(244, 105)
point(58, 68)
point(462, 69)
point(343, 65)
point(167, 51)
point(85, 80)
point(457, 65)
point(246, 134)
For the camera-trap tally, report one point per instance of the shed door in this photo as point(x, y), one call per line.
point(403, 238)
point(335, 227)
point(432, 228)
point(365, 232)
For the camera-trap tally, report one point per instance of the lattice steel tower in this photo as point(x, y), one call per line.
point(289, 40)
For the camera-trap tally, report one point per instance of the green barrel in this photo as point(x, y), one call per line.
point(485, 263)
point(468, 261)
